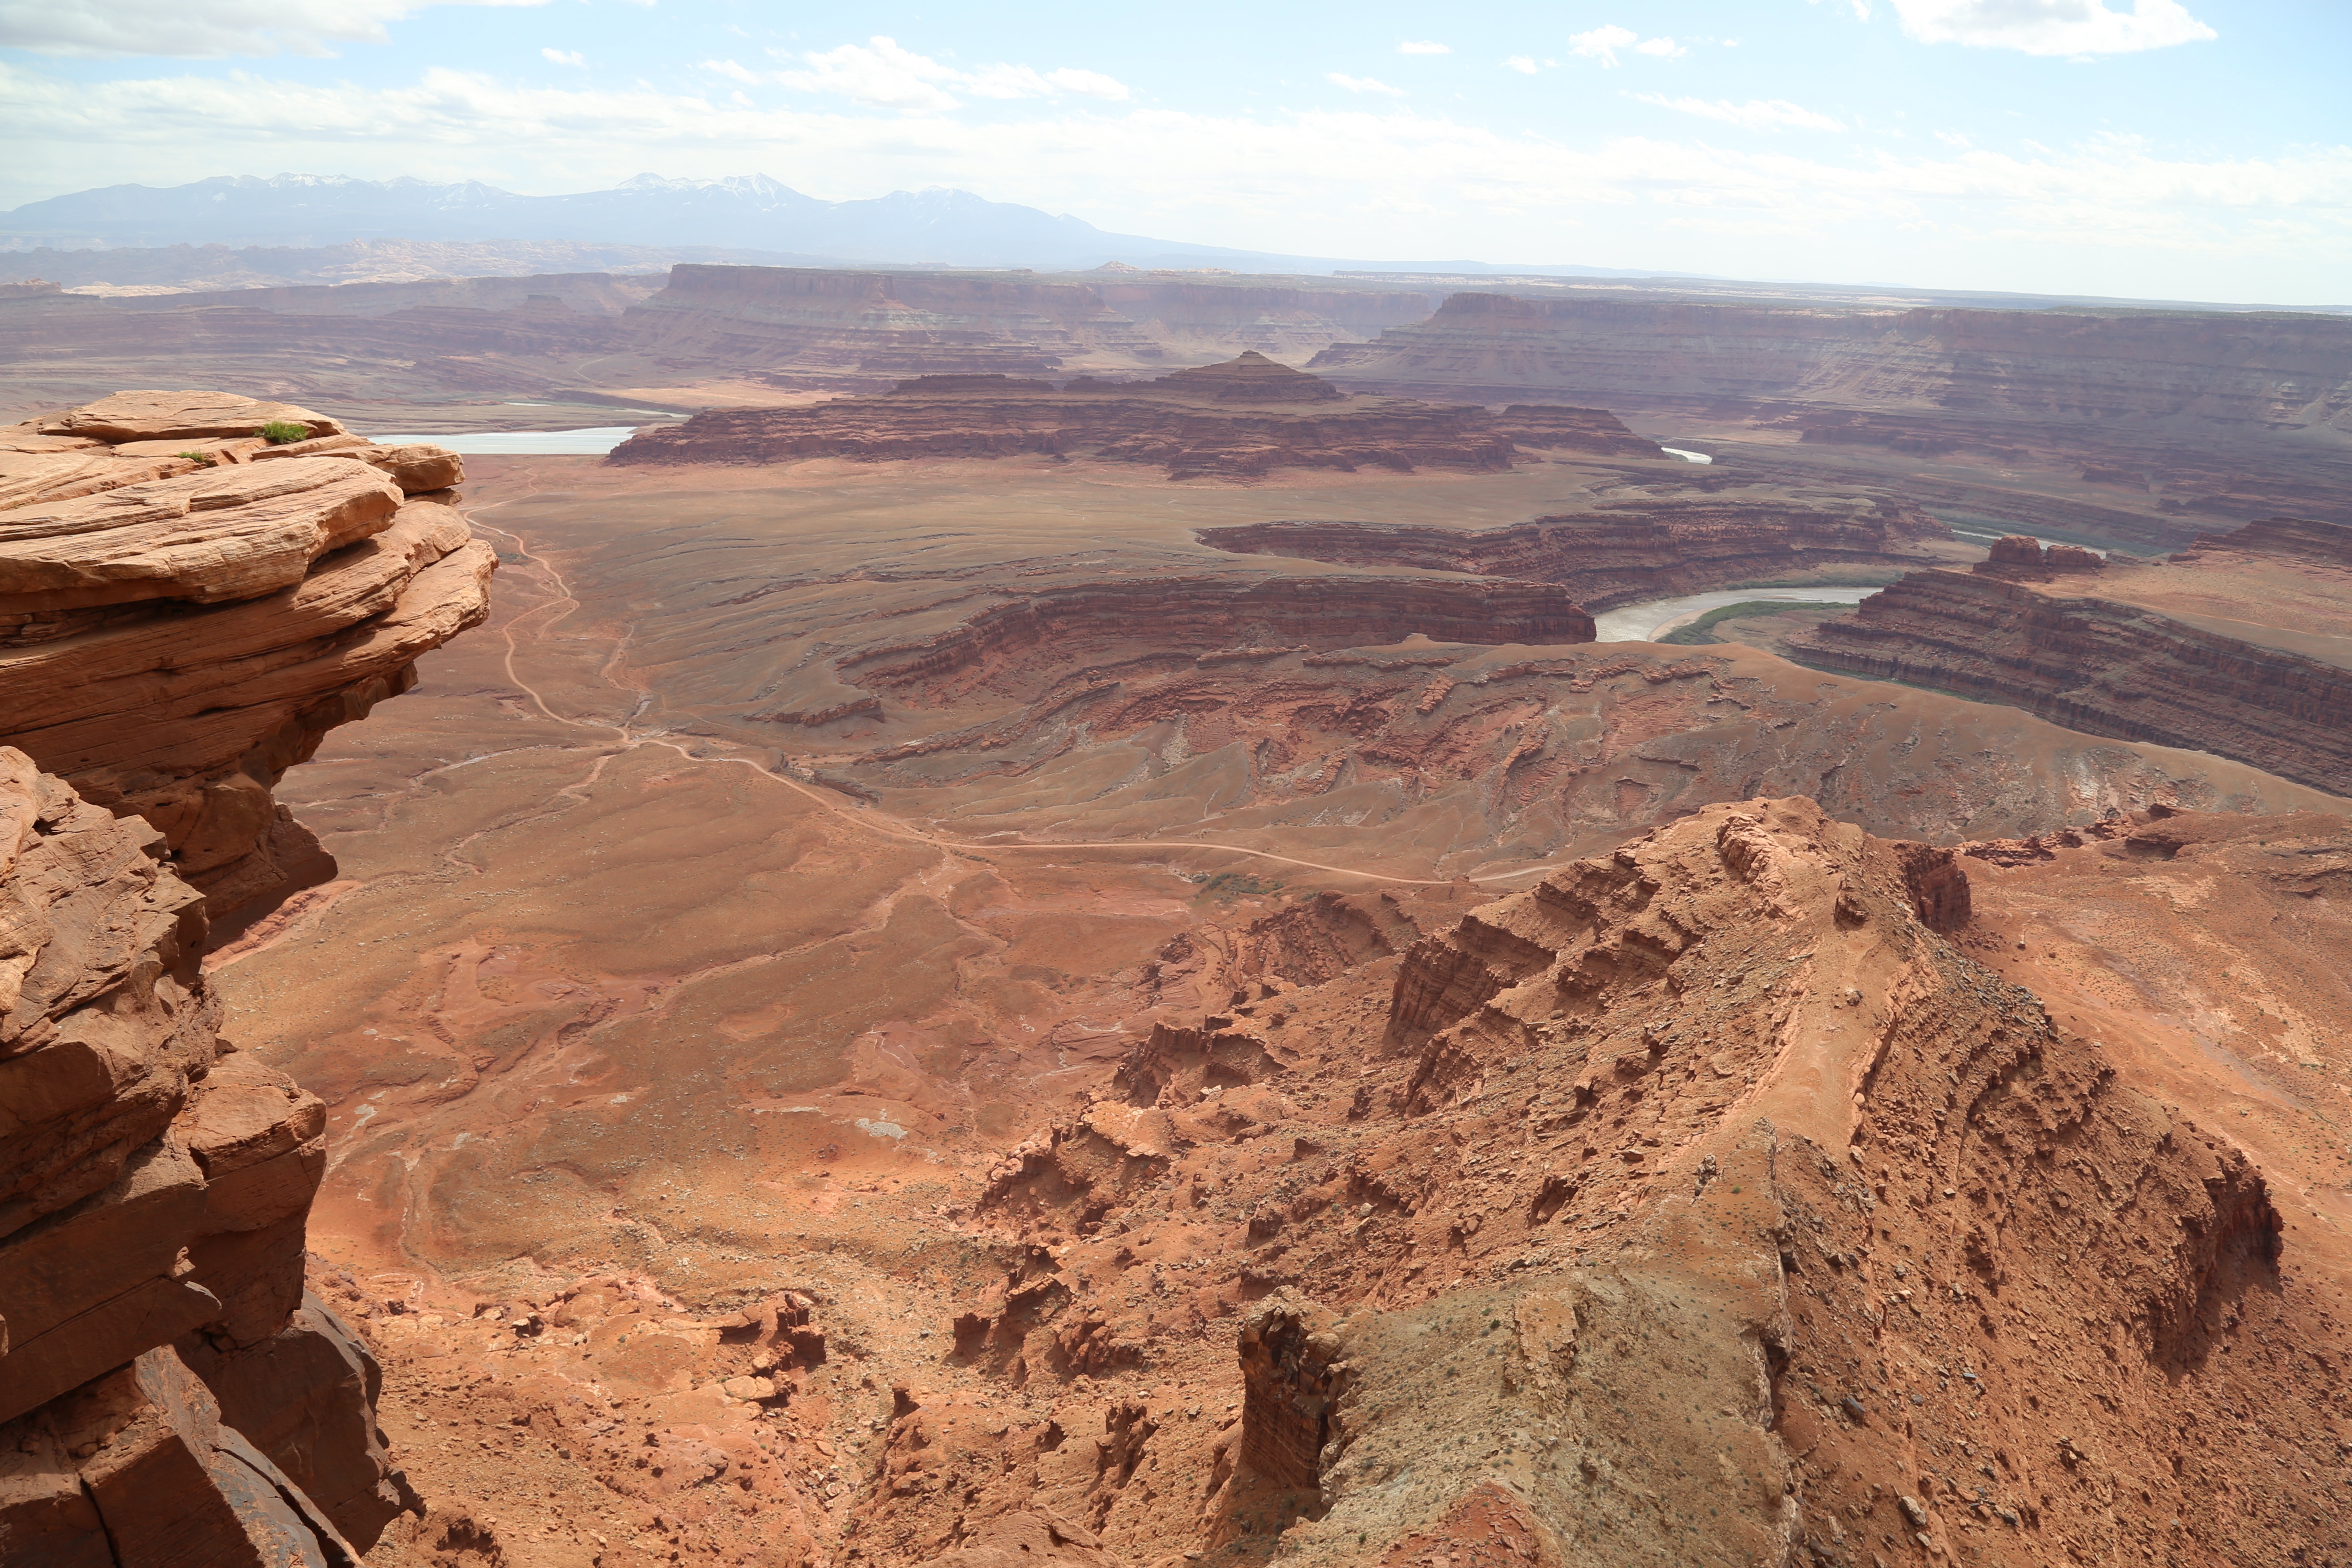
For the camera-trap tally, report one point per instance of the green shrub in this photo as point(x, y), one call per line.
point(204, 458)
point(283, 432)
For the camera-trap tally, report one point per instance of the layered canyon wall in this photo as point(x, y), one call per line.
point(2104, 665)
point(168, 1391)
point(1623, 554)
point(193, 588)
point(1214, 621)
point(2248, 371)
point(187, 607)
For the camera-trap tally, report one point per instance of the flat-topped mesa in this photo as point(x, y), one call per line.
point(195, 587)
point(169, 1392)
point(1240, 418)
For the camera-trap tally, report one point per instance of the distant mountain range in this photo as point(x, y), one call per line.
point(932, 227)
point(242, 232)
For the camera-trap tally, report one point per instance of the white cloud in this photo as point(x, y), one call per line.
point(1088, 84)
point(1422, 46)
point(1364, 84)
point(879, 74)
point(1023, 81)
point(1664, 48)
point(1601, 43)
point(1522, 64)
point(205, 30)
point(1756, 114)
point(1954, 139)
point(732, 71)
point(2052, 26)
point(566, 57)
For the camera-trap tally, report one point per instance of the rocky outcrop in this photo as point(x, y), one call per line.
point(1294, 1371)
point(2102, 666)
point(1719, 1144)
point(2022, 558)
point(1241, 418)
point(166, 1387)
point(187, 605)
point(1620, 555)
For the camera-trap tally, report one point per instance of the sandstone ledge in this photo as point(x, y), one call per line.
point(186, 610)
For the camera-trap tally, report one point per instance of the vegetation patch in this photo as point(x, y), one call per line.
point(1224, 887)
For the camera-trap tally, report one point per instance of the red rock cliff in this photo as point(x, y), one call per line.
point(2101, 667)
point(168, 1393)
point(193, 587)
point(185, 609)
point(2031, 365)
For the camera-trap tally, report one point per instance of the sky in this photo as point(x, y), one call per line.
point(2170, 149)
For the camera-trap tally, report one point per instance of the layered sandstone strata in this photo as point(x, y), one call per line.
point(1216, 621)
point(1967, 368)
point(2021, 557)
point(186, 606)
point(2056, 645)
point(168, 1393)
point(1244, 418)
point(1627, 552)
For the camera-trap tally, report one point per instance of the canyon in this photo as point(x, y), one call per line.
point(2104, 426)
point(1022, 940)
point(1964, 368)
point(1632, 547)
point(2239, 645)
point(2126, 427)
point(920, 1163)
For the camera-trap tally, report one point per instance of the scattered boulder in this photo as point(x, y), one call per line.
point(181, 416)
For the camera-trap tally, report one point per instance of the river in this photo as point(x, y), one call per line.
point(594, 442)
point(1654, 619)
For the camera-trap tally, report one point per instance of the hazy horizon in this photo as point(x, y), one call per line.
point(2150, 148)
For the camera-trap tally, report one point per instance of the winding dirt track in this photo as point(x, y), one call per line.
point(880, 826)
